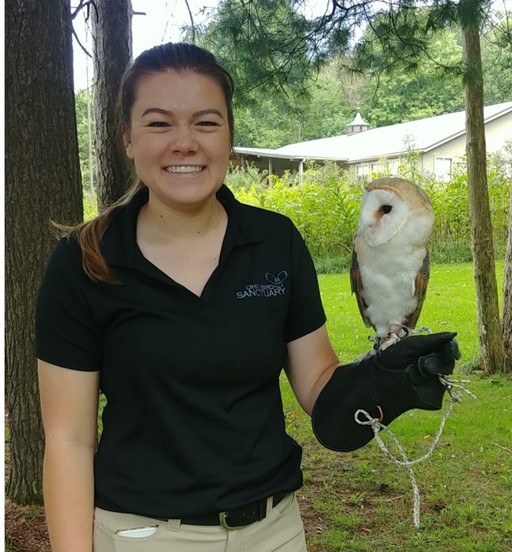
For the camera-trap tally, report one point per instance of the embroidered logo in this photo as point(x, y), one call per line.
point(274, 288)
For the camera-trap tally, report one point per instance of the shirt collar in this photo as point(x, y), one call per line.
point(119, 243)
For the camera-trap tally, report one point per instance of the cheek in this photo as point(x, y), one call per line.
point(219, 147)
point(148, 149)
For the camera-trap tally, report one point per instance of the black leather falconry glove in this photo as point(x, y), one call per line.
point(397, 379)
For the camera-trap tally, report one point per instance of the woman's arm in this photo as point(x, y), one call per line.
point(69, 404)
point(311, 363)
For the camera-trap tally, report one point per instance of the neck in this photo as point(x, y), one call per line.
point(162, 222)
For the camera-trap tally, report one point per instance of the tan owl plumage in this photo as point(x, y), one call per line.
point(390, 261)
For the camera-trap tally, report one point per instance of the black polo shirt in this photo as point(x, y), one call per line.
point(194, 420)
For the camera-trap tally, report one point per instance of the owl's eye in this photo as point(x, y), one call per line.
point(386, 209)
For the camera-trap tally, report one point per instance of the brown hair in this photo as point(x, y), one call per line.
point(165, 57)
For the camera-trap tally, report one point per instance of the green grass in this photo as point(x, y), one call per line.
point(361, 501)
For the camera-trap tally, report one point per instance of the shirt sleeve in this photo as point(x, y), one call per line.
point(66, 333)
point(306, 312)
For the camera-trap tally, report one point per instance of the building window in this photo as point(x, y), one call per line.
point(376, 168)
point(443, 168)
point(393, 167)
point(363, 170)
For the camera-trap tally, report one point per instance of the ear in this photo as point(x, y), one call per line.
point(127, 141)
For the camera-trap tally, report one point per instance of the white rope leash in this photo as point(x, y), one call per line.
point(377, 426)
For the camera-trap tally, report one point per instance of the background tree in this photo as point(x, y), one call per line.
point(432, 87)
point(112, 37)
point(506, 319)
point(492, 347)
point(264, 46)
point(272, 123)
point(42, 182)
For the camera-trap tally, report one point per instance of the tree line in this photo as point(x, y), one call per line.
point(270, 47)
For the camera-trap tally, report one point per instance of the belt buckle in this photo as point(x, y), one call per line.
point(243, 516)
point(223, 518)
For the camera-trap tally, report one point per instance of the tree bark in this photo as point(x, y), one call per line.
point(506, 319)
point(42, 183)
point(112, 31)
point(491, 343)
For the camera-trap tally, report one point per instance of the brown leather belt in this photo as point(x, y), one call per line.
point(236, 517)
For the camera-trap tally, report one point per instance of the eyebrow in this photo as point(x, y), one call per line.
point(161, 111)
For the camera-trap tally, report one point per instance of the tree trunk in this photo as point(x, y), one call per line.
point(491, 343)
point(42, 181)
point(112, 32)
point(506, 320)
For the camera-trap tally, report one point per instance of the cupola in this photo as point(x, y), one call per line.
point(357, 125)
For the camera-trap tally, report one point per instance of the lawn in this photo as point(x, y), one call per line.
point(361, 501)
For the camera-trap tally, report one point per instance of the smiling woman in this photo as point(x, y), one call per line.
point(144, 302)
point(183, 306)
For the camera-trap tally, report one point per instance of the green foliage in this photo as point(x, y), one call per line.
point(83, 118)
point(269, 31)
point(325, 207)
point(265, 125)
point(497, 60)
point(326, 111)
point(431, 88)
point(90, 205)
point(451, 238)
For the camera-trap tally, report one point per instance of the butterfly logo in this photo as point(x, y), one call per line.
point(277, 280)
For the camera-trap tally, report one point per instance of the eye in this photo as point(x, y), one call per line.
point(386, 209)
point(158, 124)
point(208, 123)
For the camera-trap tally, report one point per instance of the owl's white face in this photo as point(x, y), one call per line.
point(382, 216)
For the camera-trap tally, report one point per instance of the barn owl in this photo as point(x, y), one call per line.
point(390, 261)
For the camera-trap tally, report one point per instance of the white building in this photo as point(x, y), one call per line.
point(438, 142)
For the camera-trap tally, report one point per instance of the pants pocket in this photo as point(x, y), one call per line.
point(116, 532)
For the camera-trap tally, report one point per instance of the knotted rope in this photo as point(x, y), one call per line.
point(377, 427)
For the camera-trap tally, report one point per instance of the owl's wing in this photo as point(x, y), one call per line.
point(356, 283)
point(420, 291)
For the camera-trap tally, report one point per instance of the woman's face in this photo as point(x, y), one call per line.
point(179, 138)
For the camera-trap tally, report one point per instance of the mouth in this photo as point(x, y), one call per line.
point(184, 169)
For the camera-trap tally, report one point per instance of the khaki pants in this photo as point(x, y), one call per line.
point(280, 531)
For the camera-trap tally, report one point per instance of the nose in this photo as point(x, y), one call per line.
point(183, 140)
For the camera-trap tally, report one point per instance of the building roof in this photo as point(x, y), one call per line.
point(390, 141)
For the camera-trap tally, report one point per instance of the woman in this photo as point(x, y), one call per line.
point(182, 305)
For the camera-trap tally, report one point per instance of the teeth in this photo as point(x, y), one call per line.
point(184, 169)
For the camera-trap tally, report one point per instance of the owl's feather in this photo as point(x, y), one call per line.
point(356, 284)
point(420, 291)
